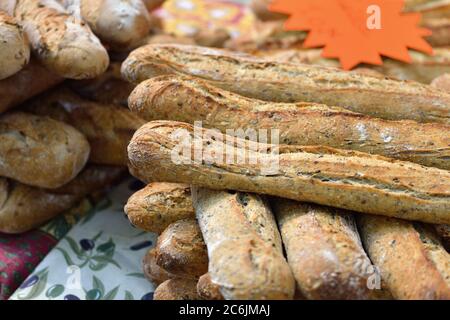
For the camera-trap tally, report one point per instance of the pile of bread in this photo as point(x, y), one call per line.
point(359, 207)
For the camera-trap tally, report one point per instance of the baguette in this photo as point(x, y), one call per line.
point(284, 82)
point(189, 100)
point(244, 248)
point(120, 23)
point(412, 262)
point(158, 205)
point(208, 290)
point(181, 251)
point(23, 208)
point(177, 289)
point(14, 49)
point(423, 68)
point(108, 128)
point(152, 271)
point(30, 81)
point(39, 151)
point(344, 179)
point(324, 251)
point(63, 43)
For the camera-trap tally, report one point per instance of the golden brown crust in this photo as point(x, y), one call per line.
point(30, 81)
point(345, 179)
point(177, 289)
point(208, 290)
point(152, 271)
point(412, 262)
point(63, 43)
point(158, 205)
point(181, 251)
point(324, 251)
point(14, 49)
point(108, 128)
point(23, 208)
point(284, 82)
point(188, 100)
point(40, 151)
point(245, 260)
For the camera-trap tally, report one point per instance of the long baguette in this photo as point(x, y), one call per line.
point(244, 247)
point(284, 82)
point(412, 262)
point(324, 251)
point(63, 43)
point(158, 205)
point(181, 251)
point(30, 81)
point(108, 128)
point(345, 179)
point(23, 208)
point(14, 48)
point(188, 100)
point(39, 151)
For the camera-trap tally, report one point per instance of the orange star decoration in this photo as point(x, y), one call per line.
point(356, 31)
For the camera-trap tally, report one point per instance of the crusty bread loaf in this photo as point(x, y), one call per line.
point(412, 262)
point(158, 205)
point(30, 81)
point(244, 247)
point(440, 28)
point(423, 68)
point(62, 42)
point(208, 290)
point(285, 82)
point(188, 100)
point(181, 251)
point(153, 4)
point(14, 48)
point(152, 271)
point(169, 151)
point(108, 128)
point(40, 151)
point(23, 208)
point(177, 289)
point(323, 250)
point(120, 23)
point(213, 38)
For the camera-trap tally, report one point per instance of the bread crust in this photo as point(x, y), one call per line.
point(158, 205)
point(40, 151)
point(345, 179)
point(14, 48)
point(177, 289)
point(189, 99)
point(108, 128)
point(412, 261)
point(284, 82)
point(208, 290)
point(152, 271)
point(244, 247)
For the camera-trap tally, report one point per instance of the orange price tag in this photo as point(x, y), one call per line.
point(356, 31)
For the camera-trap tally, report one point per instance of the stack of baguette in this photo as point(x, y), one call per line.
point(359, 207)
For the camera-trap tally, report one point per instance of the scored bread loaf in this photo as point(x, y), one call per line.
point(188, 100)
point(244, 247)
point(208, 290)
point(152, 271)
point(40, 151)
point(108, 128)
point(158, 205)
point(177, 289)
point(323, 250)
point(119, 23)
point(169, 151)
point(411, 260)
point(62, 42)
point(14, 48)
point(181, 251)
point(286, 82)
point(30, 81)
point(23, 208)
